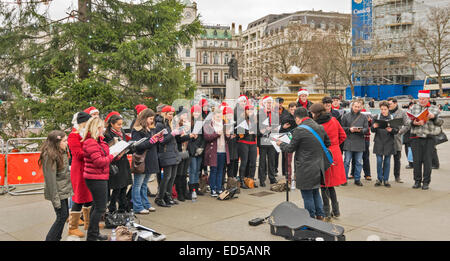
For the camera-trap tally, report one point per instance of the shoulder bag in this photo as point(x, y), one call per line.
point(138, 163)
point(113, 168)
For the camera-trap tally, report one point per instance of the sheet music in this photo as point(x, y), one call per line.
point(274, 144)
point(119, 147)
point(243, 125)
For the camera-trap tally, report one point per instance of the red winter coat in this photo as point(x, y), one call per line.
point(335, 175)
point(81, 193)
point(96, 160)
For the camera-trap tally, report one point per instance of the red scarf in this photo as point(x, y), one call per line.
point(304, 119)
point(305, 105)
point(120, 134)
point(335, 108)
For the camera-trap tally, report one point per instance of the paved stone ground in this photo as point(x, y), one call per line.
point(396, 214)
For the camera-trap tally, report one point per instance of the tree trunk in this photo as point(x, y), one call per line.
point(441, 91)
point(84, 7)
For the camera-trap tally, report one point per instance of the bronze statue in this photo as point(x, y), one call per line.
point(233, 68)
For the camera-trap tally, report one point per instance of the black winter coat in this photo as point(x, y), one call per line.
point(123, 178)
point(167, 149)
point(309, 155)
point(355, 140)
point(151, 158)
point(384, 143)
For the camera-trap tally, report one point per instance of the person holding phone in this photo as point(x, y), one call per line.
point(355, 124)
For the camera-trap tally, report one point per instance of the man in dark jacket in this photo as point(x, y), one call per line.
point(309, 161)
point(328, 104)
point(355, 124)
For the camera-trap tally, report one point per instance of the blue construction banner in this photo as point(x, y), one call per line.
point(361, 24)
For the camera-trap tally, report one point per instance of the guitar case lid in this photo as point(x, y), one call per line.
point(287, 214)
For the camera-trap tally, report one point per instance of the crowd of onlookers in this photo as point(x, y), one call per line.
point(188, 147)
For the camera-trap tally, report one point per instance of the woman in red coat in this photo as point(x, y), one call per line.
point(335, 175)
point(82, 198)
point(96, 174)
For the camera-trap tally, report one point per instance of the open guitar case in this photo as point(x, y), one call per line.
point(294, 223)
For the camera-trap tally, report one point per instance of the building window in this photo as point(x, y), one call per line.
point(205, 44)
point(205, 77)
point(215, 43)
point(225, 77)
point(227, 58)
point(216, 78)
point(188, 65)
point(188, 52)
point(216, 58)
point(226, 44)
point(205, 58)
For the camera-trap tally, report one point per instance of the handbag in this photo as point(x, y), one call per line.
point(249, 182)
point(138, 163)
point(115, 219)
point(328, 160)
point(440, 138)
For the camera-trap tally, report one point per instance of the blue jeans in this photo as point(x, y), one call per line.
point(194, 169)
point(383, 167)
point(216, 173)
point(357, 157)
point(313, 202)
point(139, 192)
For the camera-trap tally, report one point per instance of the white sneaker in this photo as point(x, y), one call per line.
point(151, 209)
point(145, 211)
point(219, 192)
point(213, 193)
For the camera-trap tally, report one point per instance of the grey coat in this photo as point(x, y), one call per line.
point(57, 184)
point(399, 113)
point(355, 141)
point(309, 155)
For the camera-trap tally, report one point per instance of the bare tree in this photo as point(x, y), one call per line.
point(341, 47)
point(430, 44)
point(323, 57)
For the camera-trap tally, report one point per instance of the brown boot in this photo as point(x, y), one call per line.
point(86, 216)
point(74, 217)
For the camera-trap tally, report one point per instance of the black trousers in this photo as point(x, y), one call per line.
point(232, 168)
point(77, 207)
point(329, 193)
point(99, 191)
point(397, 164)
point(366, 161)
point(267, 161)
point(422, 149)
point(247, 154)
point(168, 179)
point(57, 228)
point(181, 178)
point(118, 196)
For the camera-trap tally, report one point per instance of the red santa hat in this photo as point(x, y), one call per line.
point(241, 98)
point(203, 102)
point(424, 94)
point(266, 99)
point(196, 108)
point(168, 108)
point(249, 106)
point(139, 108)
point(91, 110)
point(302, 91)
point(227, 110)
point(111, 114)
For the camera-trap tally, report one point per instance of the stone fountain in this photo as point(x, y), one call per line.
point(289, 91)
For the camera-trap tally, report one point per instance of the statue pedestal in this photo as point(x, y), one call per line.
point(233, 89)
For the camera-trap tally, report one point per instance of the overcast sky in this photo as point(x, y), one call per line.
point(239, 11)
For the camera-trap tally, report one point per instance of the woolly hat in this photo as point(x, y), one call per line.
point(168, 108)
point(227, 110)
point(196, 108)
point(111, 114)
point(139, 108)
point(91, 110)
point(82, 117)
point(302, 91)
point(424, 94)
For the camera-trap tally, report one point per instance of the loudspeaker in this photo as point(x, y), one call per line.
point(294, 223)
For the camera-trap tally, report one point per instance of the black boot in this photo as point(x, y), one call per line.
point(417, 185)
point(187, 192)
point(168, 199)
point(197, 190)
point(160, 202)
point(179, 189)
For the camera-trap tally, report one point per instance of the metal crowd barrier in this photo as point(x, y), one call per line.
point(22, 168)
